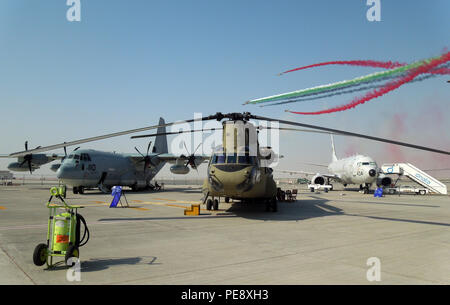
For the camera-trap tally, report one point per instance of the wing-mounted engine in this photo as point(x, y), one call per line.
point(318, 179)
point(384, 180)
point(268, 156)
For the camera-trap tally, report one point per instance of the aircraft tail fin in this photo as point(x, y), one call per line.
point(333, 155)
point(161, 140)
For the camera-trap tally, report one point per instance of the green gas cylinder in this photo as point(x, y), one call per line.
point(63, 224)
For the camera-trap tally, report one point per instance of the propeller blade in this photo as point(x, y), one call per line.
point(139, 152)
point(184, 143)
point(197, 148)
point(29, 166)
point(26, 145)
point(148, 147)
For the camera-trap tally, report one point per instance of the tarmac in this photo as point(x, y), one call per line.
point(321, 238)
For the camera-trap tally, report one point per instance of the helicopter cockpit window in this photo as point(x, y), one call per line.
point(218, 159)
point(365, 163)
point(70, 157)
point(231, 158)
point(76, 157)
point(246, 160)
point(85, 157)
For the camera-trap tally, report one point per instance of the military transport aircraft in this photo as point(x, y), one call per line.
point(358, 169)
point(87, 168)
point(240, 169)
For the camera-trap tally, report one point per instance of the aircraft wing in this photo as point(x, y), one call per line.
point(334, 177)
point(48, 157)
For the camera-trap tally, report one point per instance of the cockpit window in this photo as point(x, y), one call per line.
point(365, 163)
point(85, 157)
point(231, 158)
point(246, 160)
point(218, 159)
point(70, 157)
point(76, 157)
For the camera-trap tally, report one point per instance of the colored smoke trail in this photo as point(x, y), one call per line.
point(332, 93)
point(374, 77)
point(365, 63)
point(424, 68)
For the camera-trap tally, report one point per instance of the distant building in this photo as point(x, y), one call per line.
point(6, 175)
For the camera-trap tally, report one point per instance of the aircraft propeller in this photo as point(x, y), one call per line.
point(27, 158)
point(191, 157)
point(146, 159)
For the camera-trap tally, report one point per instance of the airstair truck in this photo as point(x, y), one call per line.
point(420, 177)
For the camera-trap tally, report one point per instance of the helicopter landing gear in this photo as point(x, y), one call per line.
point(365, 188)
point(271, 205)
point(212, 204)
point(209, 204)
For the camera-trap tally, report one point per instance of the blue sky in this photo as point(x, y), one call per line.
point(128, 62)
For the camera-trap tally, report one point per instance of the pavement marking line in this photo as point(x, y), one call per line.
point(140, 209)
point(176, 205)
point(2, 208)
point(17, 265)
point(164, 199)
point(96, 201)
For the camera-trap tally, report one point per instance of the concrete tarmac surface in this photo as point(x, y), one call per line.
point(322, 238)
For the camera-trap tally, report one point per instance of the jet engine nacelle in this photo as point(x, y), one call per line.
point(17, 167)
point(55, 167)
point(179, 169)
point(384, 180)
point(318, 179)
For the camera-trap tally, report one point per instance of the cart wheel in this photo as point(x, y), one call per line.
point(71, 252)
point(40, 254)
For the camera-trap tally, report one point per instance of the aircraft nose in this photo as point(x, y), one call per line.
point(372, 173)
point(63, 171)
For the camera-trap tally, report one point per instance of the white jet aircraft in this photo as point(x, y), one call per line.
point(358, 169)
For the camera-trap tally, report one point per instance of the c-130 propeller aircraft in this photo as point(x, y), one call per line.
point(232, 172)
point(87, 168)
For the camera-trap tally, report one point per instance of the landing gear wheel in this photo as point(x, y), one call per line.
point(422, 192)
point(366, 190)
point(331, 188)
point(72, 251)
point(274, 205)
point(81, 190)
point(209, 204)
point(75, 190)
point(227, 199)
point(215, 204)
point(312, 189)
point(40, 254)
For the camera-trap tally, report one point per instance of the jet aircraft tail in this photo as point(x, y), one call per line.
point(333, 154)
point(161, 140)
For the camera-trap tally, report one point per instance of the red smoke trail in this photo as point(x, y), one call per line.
point(366, 63)
point(425, 68)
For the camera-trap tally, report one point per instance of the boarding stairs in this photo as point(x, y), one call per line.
point(417, 175)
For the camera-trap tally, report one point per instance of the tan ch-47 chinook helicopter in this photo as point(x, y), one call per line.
point(239, 169)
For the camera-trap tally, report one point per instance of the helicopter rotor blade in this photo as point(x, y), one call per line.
point(353, 134)
point(217, 116)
